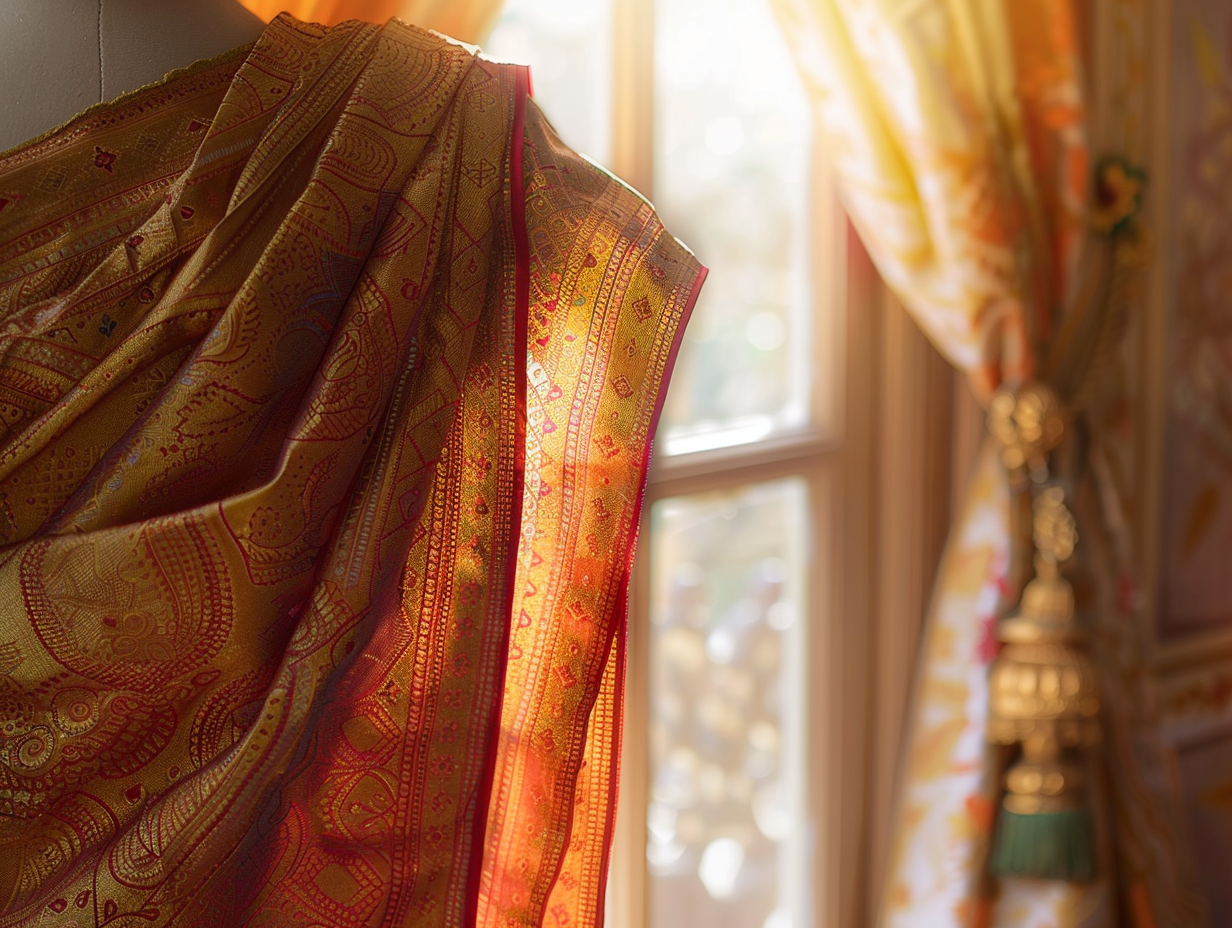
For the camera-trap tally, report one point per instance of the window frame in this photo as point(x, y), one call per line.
point(821, 454)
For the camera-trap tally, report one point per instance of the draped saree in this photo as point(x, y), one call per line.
point(327, 382)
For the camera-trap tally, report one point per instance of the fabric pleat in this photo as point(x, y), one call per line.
point(327, 383)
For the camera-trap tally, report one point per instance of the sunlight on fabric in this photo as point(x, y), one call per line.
point(733, 139)
point(727, 828)
point(567, 44)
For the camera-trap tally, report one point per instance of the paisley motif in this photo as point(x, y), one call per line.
point(270, 493)
point(136, 607)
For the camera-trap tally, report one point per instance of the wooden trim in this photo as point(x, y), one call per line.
point(764, 460)
point(1193, 651)
point(832, 307)
point(633, 75)
point(839, 652)
point(626, 901)
point(1153, 332)
point(633, 53)
point(915, 466)
point(1153, 340)
point(1153, 348)
point(968, 434)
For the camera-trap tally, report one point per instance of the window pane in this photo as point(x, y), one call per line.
point(568, 45)
point(733, 137)
point(726, 834)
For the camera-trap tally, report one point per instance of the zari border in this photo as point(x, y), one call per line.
point(173, 76)
point(521, 314)
point(622, 626)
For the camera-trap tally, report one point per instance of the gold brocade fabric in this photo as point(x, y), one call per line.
point(327, 381)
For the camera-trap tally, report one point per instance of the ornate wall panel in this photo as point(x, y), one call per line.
point(1182, 507)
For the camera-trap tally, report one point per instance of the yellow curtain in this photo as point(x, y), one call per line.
point(923, 124)
point(468, 20)
point(957, 131)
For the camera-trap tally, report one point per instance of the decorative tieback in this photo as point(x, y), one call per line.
point(1027, 421)
point(1043, 688)
point(1044, 695)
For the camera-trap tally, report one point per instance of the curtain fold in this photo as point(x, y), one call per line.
point(957, 131)
point(467, 20)
point(929, 147)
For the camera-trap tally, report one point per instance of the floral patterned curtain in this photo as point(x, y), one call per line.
point(958, 134)
point(468, 20)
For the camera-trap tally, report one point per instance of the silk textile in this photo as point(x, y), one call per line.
point(327, 382)
point(961, 135)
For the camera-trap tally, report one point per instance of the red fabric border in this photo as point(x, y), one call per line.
point(622, 628)
point(521, 250)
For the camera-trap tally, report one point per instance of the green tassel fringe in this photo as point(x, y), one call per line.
point(1045, 845)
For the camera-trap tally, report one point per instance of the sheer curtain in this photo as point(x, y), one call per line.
point(468, 20)
point(958, 133)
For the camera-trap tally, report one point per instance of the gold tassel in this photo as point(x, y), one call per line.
point(1043, 688)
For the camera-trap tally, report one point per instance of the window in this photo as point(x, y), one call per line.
point(719, 816)
point(746, 795)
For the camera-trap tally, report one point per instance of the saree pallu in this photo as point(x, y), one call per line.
point(327, 383)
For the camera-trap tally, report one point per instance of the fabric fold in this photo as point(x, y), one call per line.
point(959, 133)
point(327, 379)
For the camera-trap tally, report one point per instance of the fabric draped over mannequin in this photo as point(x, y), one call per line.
point(327, 381)
point(958, 133)
point(466, 20)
